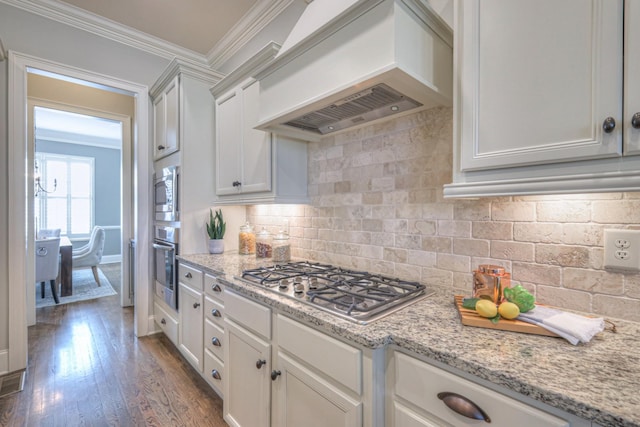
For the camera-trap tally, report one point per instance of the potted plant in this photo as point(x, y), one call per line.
point(216, 228)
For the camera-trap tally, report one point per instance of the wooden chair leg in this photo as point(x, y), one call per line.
point(95, 274)
point(41, 289)
point(54, 292)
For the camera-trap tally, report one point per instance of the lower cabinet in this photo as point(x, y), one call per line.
point(191, 327)
point(423, 395)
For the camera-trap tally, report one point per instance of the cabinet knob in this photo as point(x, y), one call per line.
point(215, 374)
point(260, 363)
point(164, 322)
point(196, 304)
point(635, 121)
point(216, 288)
point(609, 125)
point(275, 374)
point(216, 313)
point(463, 406)
point(188, 275)
point(236, 183)
point(161, 147)
point(215, 341)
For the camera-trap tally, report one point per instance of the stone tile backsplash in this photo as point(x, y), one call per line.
point(377, 205)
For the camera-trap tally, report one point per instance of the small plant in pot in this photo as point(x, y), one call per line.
point(215, 229)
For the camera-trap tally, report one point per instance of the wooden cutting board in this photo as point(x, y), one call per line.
point(471, 318)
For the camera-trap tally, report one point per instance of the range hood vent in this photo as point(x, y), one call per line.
point(364, 106)
point(367, 61)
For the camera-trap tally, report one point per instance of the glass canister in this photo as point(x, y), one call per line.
point(281, 247)
point(264, 244)
point(246, 240)
point(489, 281)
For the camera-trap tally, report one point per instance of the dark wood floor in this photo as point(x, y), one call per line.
point(86, 368)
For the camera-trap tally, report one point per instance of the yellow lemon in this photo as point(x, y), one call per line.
point(508, 310)
point(486, 308)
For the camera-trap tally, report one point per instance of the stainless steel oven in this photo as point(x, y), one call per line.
point(165, 271)
point(166, 198)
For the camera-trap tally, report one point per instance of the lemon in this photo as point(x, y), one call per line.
point(508, 310)
point(486, 308)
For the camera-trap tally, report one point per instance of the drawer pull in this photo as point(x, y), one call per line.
point(463, 406)
point(275, 374)
point(161, 147)
point(216, 288)
point(164, 322)
point(188, 275)
point(215, 341)
point(609, 125)
point(215, 374)
point(260, 363)
point(216, 313)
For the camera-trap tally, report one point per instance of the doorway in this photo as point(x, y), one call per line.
point(21, 183)
point(81, 183)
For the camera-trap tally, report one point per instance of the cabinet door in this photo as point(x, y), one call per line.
point(228, 143)
point(302, 398)
point(191, 337)
point(537, 81)
point(631, 80)
point(247, 390)
point(158, 127)
point(172, 114)
point(256, 144)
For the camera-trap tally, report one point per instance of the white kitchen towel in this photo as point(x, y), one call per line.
point(572, 327)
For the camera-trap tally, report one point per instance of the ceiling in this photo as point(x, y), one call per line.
point(197, 25)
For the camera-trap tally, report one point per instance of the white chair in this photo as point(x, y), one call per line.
point(47, 233)
point(90, 255)
point(47, 264)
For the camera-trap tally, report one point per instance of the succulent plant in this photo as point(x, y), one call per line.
point(216, 226)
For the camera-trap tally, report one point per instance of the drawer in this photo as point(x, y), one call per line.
point(214, 372)
point(419, 383)
point(334, 358)
point(250, 314)
point(190, 276)
point(214, 339)
point(213, 287)
point(214, 311)
point(168, 324)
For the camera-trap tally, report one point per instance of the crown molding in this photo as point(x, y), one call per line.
point(258, 17)
point(254, 21)
point(177, 66)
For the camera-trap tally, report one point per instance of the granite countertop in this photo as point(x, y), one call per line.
point(598, 381)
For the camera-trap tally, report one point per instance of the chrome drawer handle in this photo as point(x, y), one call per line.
point(463, 406)
point(216, 313)
point(215, 341)
point(188, 276)
point(215, 374)
point(216, 288)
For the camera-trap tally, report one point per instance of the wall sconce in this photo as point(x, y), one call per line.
point(38, 184)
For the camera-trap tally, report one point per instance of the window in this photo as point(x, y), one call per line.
point(70, 206)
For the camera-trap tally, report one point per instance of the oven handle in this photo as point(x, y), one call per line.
point(165, 247)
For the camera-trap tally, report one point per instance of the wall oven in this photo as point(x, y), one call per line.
point(166, 198)
point(165, 271)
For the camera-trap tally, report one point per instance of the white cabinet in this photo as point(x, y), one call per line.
point(166, 319)
point(247, 389)
point(539, 87)
point(191, 309)
point(253, 166)
point(166, 112)
point(420, 394)
point(215, 339)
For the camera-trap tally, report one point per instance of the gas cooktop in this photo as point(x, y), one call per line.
point(353, 295)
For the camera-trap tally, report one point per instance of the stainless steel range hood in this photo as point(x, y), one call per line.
point(351, 62)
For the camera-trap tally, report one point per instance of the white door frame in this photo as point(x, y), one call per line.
point(126, 193)
point(20, 176)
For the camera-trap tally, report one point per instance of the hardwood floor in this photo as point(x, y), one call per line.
point(86, 367)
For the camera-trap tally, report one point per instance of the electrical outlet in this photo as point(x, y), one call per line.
point(622, 249)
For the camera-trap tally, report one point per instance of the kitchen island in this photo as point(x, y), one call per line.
point(597, 381)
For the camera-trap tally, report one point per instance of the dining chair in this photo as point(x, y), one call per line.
point(47, 233)
point(47, 264)
point(90, 255)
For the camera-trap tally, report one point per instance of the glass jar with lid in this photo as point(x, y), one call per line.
point(264, 244)
point(246, 240)
point(281, 247)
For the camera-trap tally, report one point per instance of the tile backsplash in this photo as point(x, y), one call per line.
point(377, 205)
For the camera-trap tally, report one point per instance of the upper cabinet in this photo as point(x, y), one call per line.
point(166, 112)
point(541, 104)
point(254, 166)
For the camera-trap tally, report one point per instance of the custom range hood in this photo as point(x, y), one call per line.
point(351, 62)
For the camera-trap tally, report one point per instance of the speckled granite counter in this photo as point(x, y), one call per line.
point(599, 381)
